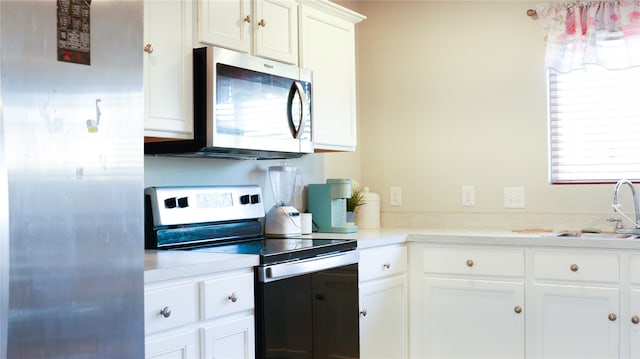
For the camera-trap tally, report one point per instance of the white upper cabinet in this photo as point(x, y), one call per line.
point(168, 84)
point(225, 23)
point(276, 35)
point(266, 28)
point(327, 47)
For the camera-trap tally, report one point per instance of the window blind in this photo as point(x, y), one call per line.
point(594, 125)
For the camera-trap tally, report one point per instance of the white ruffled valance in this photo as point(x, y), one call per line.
point(580, 33)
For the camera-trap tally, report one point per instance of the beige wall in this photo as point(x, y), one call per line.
point(452, 93)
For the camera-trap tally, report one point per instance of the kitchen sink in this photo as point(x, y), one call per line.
point(601, 235)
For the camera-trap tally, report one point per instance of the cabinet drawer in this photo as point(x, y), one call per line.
point(169, 307)
point(576, 266)
point(382, 262)
point(226, 295)
point(504, 262)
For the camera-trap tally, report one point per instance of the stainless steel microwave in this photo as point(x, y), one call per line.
point(246, 107)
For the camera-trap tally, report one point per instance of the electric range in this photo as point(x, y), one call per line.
point(306, 289)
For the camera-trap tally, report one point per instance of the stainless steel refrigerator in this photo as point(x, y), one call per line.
point(71, 179)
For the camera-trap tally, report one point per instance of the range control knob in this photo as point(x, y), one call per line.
point(183, 202)
point(255, 199)
point(244, 199)
point(170, 202)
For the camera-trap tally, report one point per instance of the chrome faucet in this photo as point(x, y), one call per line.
point(616, 202)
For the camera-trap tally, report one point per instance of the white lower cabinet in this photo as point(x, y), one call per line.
point(174, 346)
point(383, 302)
point(209, 316)
point(233, 339)
point(471, 305)
point(473, 318)
point(506, 301)
point(575, 322)
point(576, 304)
point(631, 322)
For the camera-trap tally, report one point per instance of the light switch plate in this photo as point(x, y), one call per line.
point(395, 195)
point(514, 197)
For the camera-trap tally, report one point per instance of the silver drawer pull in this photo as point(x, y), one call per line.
point(573, 267)
point(386, 266)
point(469, 263)
point(612, 317)
point(635, 319)
point(233, 297)
point(165, 312)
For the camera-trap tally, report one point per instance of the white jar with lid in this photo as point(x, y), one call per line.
point(368, 214)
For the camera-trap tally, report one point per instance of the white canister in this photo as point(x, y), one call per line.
point(306, 223)
point(368, 214)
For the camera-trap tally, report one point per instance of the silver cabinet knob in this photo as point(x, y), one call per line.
point(148, 48)
point(262, 23)
point(233, 297)
point(247, 19)
point(635, 319)
point(165, 312)
point(469, 263)
point(386, 265)
point(517, 309)
point(573, 267)
point(363, 312)
point(612, 317)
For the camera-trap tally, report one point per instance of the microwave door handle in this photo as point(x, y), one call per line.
point(296, 87)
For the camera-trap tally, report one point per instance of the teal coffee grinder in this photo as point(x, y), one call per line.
point(328, 205)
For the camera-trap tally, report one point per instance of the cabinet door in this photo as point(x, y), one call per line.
point(634, 324)
point(634, 307)
point(225, 23)
point(383, 318)
point(328, 48)
point(466, 318)
point(573, 322)
point(168, 68)
point(230, 339)
point(276, 30)
point(176, 346)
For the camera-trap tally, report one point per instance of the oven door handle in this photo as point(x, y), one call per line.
point(279, 271)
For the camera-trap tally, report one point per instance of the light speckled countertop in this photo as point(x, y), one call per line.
point(165, 265)
point(493, 237)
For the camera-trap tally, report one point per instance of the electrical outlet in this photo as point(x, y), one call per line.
point(395, 196)
point(468, 196)
point(514, 197)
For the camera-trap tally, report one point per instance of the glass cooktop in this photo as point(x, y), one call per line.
point(274, 250)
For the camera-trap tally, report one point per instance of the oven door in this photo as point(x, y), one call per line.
point(312, 315)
